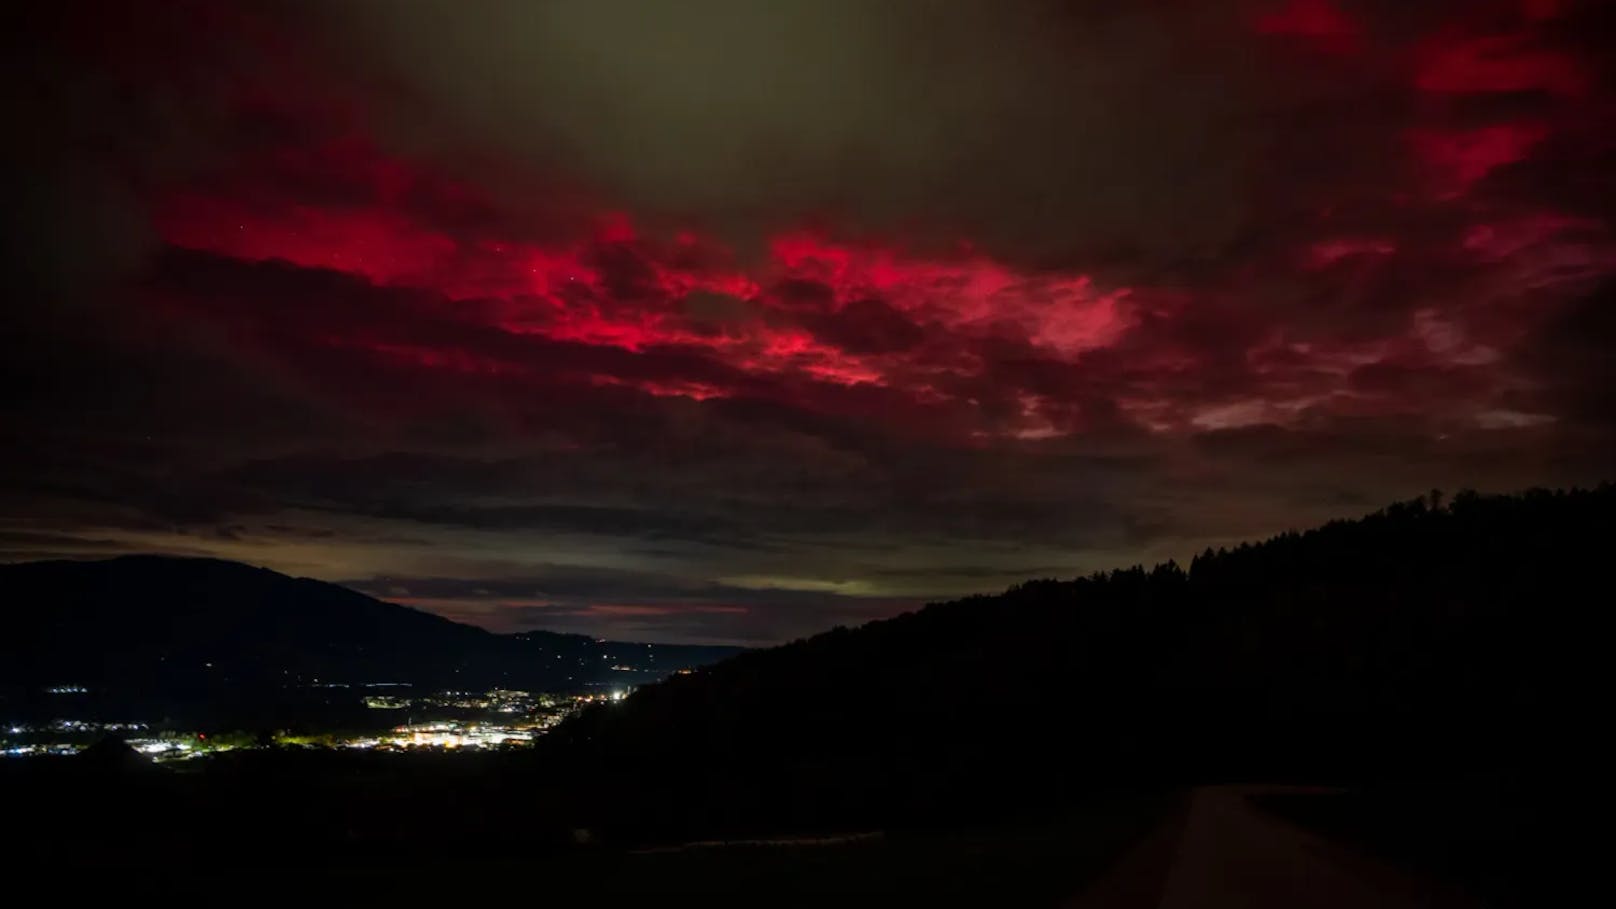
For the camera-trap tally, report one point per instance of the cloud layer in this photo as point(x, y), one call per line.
point(732, 321)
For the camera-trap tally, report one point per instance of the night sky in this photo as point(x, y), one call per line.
point(733, 321)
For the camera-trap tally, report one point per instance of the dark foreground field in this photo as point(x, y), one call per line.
point(458, 826)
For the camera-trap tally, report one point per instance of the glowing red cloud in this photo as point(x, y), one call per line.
point(1064, 313)
point(381, 244)
point(1462, 157)
point(814, 309)
point(1328, 252)
point(1317, 21)
point(1494, 64)
point(971, 344)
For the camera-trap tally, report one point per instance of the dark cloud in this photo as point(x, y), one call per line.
point(989, 123)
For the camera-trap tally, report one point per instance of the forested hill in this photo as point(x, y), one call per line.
point(1430, 638)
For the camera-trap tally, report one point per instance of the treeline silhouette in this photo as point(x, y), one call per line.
point(1431, 640)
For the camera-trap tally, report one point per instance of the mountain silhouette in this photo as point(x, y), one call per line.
point(153, 622)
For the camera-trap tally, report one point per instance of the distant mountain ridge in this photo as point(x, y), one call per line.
point(164, 623)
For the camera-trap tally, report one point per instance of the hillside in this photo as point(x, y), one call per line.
point(166, 624)
point(1426, 640)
